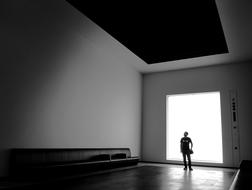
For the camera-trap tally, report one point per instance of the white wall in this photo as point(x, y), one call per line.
point(64, 81)
point(216, 78)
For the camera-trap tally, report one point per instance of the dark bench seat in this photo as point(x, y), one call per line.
point(50, 163)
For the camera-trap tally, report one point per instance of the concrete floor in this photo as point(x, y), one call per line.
point(149, 176)
point(156, 177)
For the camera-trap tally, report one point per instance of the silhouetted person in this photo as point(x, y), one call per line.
point(186, 150)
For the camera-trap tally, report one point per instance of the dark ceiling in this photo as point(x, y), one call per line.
point(160, 31)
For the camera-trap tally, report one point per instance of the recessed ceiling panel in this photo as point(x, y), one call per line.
point(160, 31)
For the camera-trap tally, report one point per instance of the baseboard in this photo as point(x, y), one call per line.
point(181, 164)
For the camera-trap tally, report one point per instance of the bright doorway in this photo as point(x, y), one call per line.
point(200, 115)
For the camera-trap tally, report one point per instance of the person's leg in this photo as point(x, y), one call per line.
point(184, 159)
point(189, 161)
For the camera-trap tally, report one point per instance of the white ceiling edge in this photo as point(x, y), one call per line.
point(191, 63)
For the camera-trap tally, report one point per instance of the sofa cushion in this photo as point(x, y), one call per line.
point(118, 156)
point(100, 157)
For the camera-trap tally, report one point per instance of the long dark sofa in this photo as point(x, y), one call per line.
point(57, 162)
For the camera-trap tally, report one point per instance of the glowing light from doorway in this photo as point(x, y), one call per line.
point(200, 115)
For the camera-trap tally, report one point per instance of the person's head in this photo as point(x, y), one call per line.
point(185, 133)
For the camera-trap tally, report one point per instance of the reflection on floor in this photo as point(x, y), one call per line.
point(153, 177)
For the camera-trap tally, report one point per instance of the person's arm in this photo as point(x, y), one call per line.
point(181, 145)
point(191, 144)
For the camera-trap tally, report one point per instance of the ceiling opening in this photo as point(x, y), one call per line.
point(157, 31)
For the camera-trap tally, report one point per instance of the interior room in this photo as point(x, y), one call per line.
point(113, 77)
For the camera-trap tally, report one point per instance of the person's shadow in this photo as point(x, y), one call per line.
point(187, 181)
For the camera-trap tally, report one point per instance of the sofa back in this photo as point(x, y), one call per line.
point(43, 156)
